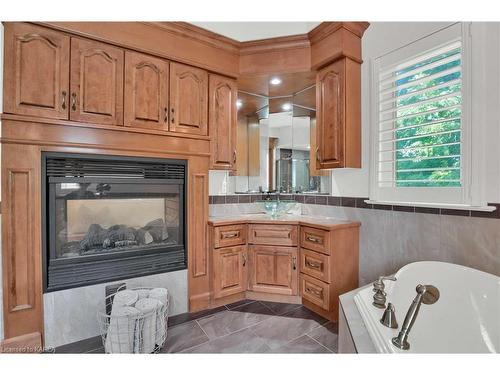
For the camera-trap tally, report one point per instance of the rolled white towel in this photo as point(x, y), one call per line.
point(142, 293)
point(161, 294)
point(120, 337)
point(148, 307)
point(126, 297)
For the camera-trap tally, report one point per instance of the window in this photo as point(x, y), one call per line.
point(420, 118)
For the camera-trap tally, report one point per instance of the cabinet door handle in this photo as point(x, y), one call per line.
point(234, 157)
point(317, 154)
point(294, 263)
point(315, 292)
point(73, 101)
point(172, 119)
point(312, 239)
point(166, 114)
point(314, 265)
point(63, 105)
point(244, 259)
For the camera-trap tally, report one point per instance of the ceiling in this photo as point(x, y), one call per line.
point(245, 31)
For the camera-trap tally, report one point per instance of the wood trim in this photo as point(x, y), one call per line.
point(275, 44)
point(324, 29)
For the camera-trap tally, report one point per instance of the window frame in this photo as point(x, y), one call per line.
point(431, 196)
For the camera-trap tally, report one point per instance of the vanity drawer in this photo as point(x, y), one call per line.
point(315, 239)
point(315, 264)
point(230, 235)
point(315, 291)
point(272, 234)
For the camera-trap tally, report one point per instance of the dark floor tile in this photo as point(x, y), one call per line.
point(187, 317)
point(302, 345)
point(239, 303)
point(427, 210)
point(244, 341)
point(310, 199)
point(303, 313)
point(219, 199)
point(280, 308)
point(255, 198)
point(230, 321)
point(298, 198)
point(385, 207)
point(184, 336)
point(327, 335)
point(81, 346)
point(403, 208)
point(279, 330)
point(492, 215)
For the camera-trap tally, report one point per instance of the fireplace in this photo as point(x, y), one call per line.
point(111, 217)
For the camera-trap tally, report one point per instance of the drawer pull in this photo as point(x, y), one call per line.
point(63, 105)
point(294, 263)
point(244, 260)
point(313, 239)
point(318, 293)
point(229, 235)
point(315, 265)
point(73, 101)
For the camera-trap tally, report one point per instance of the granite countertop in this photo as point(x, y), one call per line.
point(316, 221)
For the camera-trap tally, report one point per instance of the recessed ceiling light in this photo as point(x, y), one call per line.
point(275, 81)
point(286, 107)
point(239, 103)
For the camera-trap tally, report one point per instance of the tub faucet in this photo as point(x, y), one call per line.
point(426, 294)
point(379, 289)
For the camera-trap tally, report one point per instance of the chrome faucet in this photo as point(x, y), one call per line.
point(426, 294)
point(379, 289)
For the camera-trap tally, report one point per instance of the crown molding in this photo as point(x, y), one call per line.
point(274, 44)
point(325, 29)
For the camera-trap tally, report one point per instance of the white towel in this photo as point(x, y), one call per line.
point(148, 307)
point(120, 337)
point(161, 294)
point(143, 293)
point(125, 297)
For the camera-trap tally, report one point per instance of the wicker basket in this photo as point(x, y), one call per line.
point(127, 329)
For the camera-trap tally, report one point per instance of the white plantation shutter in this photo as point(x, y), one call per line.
point(419, 116)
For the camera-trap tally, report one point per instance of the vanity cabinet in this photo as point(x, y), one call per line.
point(146, 91)
point(338, 105)
point(96, 82)
point(273, 269)
point(36, 71)
point(188, 99)
point(230, 266)
point(222, 122)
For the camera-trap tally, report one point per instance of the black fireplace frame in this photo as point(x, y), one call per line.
point(133, 262)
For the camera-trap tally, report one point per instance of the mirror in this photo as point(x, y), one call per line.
point(276, 135)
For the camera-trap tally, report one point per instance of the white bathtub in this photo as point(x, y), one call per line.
point(465, 319)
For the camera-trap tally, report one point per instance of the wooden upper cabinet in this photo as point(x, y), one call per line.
point(146, 91)
point(96, 82)
point(222, 122)
point(273, 269)
point(188, 99)
point(36, 71)
point(338, 130)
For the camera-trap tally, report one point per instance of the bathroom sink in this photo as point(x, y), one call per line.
point(275, 208)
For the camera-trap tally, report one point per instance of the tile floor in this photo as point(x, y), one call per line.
point(255, 327)
point(242, 327)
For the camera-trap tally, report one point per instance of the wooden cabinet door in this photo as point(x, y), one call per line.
point(96, 82)
point(188, 99)
point(222, 122)
point(36, 71)
point(230, 271)
point(146, 91)
point(330, 87)
point(273, 269)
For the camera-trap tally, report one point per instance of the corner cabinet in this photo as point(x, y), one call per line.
point(188, 99)
point(338, 105)
point(146, 91)
point(36, 71)
point(222, 122)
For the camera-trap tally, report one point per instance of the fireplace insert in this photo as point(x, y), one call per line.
point(108, 218)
